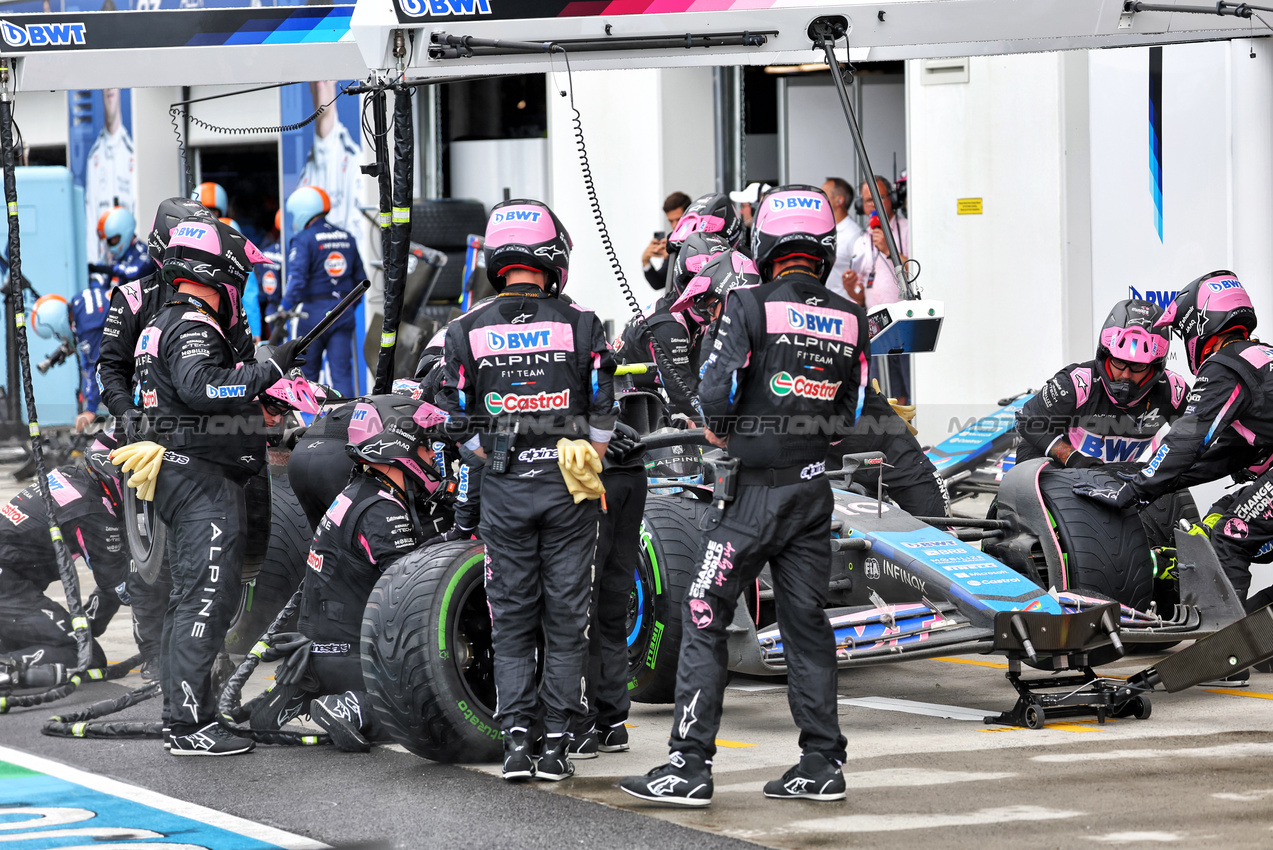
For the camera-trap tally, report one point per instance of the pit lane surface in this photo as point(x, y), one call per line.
point(1199, 772)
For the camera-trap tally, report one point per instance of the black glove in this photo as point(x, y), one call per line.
point(131, 425)
point(625, 446)
point(450, 535)
point(1112, 495)
point(285, 357)
point(1078, 460)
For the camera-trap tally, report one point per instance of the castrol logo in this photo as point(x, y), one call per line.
point(783, 384)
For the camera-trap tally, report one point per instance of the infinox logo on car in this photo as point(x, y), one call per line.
point(784, 383)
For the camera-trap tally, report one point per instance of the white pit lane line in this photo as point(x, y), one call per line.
point(890, 823)
point(892, 777)
point(1223, 751)
point(131, 796)
point(928, 709)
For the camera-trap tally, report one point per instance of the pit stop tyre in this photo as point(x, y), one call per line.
point(427, 659)
point(670, 539)
point(146, 535)
point(281, 567)
point(1105, 550)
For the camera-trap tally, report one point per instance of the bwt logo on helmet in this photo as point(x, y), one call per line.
point(523, 341)
point(784, 384)
point(235, 391)
point(1161, 297)
point(796, 202)
point(420, 8)
point(516, 215)
point(514, 403)
point(815, 322)
point(41, 35)
point(1223, 285)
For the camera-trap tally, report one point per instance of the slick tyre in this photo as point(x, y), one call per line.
point(427, 660)
point(670, 539)
point(280, 569)
point(1105, 550)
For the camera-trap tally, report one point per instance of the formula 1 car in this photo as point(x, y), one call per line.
point(974, 459)
point(900, 588)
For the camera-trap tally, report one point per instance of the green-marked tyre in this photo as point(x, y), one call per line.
point(669, 544)
point(427, 660)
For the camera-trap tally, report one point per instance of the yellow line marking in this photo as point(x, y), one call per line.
point(733, 745)
point(1062, 725)
point(995, 664)
point(1238, 693)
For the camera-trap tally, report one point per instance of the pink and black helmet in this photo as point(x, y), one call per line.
point(170, 213)
point(1207, 307)
point(294, 393)
point(712, 213)
point(1131, 334)
point(389, 428)
point(794, 220)
point(527, 234)
point(698, 248)
point(718, 276)
point(213, 254)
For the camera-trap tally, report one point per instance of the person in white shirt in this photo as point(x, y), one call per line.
point(109, 178)
point(847, 232)
point(333, 162)
point(871, 280)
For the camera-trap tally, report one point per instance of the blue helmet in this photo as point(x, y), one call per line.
point(305, 203)
point(51, 318)
point(213, 198)
point(116, 228)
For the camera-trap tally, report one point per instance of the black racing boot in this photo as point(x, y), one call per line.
point(686, 780)
point(554, 765)
point(613, 739)
point(341, 716)
point(815, 777)
point(211, 740)
point(518, 761)
point(283, 704)
point(585, 746)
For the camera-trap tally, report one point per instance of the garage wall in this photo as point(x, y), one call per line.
point(997, 137)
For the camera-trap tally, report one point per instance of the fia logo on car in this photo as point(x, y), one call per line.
point(872, 569)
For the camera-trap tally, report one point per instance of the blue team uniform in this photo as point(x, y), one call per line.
point(323, 266)
point(88, 318)
point(270, 275)
point(134, 263)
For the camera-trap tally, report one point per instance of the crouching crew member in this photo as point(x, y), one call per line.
point(368, 527)
point(201, 410)
point(1110, 408)
point(1226, 428)
point(784, 379)
point(35, 631)
point(526, 375)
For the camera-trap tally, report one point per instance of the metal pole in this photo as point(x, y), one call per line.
point(17, 308)
point(395, 266)
point(824, 33)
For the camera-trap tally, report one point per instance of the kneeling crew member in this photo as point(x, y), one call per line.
point(1110, 408)
point(201, 409)
point(368, 527)
point(1226, 429)
point(35, 631)
point(520, 407)
point(777, 359)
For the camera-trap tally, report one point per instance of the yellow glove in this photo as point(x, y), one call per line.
point(906, 411)
point(579, 465)
point(142, 460)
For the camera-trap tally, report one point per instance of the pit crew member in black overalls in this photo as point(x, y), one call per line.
point(201, 408)
point(525, 374)
point(668, 338)
point(367, 528)
point(132, 307)
point(781, 363)
point(1226, 428)
point(1110, 408)
point(37, 647)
